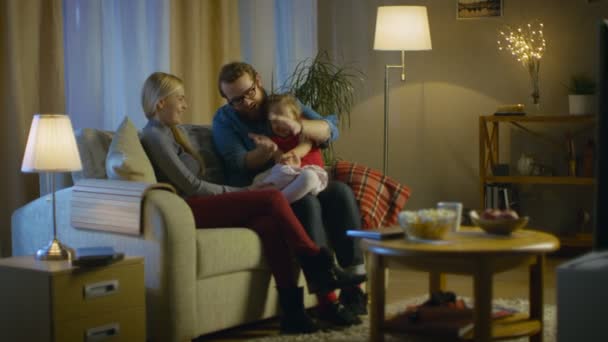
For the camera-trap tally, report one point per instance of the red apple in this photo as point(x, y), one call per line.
point(491, 214)
point(509, 215)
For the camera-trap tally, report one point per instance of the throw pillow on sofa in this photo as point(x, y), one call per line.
point(380, 197)
point(126, 159)
point(93, 145)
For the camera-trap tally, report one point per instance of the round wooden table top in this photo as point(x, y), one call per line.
point(468, 240)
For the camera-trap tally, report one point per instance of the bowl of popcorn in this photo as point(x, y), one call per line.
point(498, 222)
point(427, 224)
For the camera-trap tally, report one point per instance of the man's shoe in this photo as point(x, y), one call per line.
point(354, 299)
point(323, 275)
point(347, 279)
point(337, 315)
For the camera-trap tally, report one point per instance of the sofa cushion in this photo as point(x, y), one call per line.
point(227, 250)
point(93, 145)
point(380, 197)
point(126, 159)
point(202, 140)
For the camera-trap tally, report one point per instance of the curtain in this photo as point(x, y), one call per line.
point(31, 81)
point(111, 46)
point(204, 36)
point(296, 27)
point(276, 35)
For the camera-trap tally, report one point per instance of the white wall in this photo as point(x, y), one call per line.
point(434, 113)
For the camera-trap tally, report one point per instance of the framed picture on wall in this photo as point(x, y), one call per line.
point(475, 9)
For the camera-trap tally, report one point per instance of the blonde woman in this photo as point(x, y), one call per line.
point(267, 212)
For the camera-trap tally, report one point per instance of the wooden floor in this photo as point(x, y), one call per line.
point(404, 284)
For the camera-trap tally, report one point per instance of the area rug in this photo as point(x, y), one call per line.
point(360, 333)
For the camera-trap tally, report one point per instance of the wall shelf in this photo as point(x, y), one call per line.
point(540, 180)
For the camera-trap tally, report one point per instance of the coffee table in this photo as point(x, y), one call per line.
point(471, 252)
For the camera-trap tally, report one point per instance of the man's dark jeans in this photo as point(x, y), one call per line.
point(327, 216)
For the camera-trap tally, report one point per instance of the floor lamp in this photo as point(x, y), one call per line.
point(399, 28)
point(51, 147)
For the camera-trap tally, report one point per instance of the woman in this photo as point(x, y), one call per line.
point(266, 212)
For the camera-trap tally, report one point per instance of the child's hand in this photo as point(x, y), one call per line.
point(290, 159)
point(278, 156)
point(285, 123)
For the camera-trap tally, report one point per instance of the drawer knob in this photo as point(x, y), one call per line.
point(104, 288)
point(102, 333)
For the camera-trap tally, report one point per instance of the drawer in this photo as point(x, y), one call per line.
point(120, 326)
point(90, 292)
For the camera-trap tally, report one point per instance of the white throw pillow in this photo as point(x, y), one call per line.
point(126, 158)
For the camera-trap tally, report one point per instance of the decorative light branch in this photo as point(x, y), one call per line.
point(527, 45)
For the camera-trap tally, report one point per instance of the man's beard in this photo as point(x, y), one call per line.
point(259, 111)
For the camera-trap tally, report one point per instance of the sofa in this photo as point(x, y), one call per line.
point(198, 281)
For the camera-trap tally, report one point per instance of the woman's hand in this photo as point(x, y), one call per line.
point(294, 127)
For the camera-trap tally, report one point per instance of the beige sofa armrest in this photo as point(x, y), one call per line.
point(168, 245)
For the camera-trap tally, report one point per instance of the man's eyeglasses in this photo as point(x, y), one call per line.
point(239, 100)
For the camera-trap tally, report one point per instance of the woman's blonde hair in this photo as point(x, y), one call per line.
point(156, 87)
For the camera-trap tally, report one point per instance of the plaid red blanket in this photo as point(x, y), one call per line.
point(380, 197)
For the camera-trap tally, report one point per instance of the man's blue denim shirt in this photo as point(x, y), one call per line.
point(230, 135)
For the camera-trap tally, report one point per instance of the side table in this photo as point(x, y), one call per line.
point(471, 252)
point(54, 301)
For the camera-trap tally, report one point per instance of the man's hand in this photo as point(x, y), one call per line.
point(263, 143)
point(294, 127)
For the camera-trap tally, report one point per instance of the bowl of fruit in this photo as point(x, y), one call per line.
point(498, 222)
point(427, 224)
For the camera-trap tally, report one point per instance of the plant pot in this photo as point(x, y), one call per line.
point(581, 104)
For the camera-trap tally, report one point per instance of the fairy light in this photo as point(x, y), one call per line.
point(527, 45)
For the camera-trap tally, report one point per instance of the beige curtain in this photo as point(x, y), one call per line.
point(31, 81)
point(204, 36)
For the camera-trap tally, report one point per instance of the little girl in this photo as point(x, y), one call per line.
point(299, 164)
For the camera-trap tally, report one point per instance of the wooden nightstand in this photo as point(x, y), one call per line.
point(54, 301)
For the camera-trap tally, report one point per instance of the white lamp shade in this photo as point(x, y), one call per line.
point(402, 28)
point(51, 145)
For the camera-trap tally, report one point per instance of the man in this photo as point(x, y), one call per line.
point(240, 133)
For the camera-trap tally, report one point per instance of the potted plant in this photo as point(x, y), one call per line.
point(327, 87)
point(581, 98)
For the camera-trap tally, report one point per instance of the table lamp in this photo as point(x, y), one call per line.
point(399, 28)
point(51, 147)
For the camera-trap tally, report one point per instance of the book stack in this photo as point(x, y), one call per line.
point(510, 109)
point(96, 256)
point(442, 322)
point(378, 233)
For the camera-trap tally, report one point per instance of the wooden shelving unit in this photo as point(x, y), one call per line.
point(489, 152)
point(540, 180)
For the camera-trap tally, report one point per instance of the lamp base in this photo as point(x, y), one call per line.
point(55, 250)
